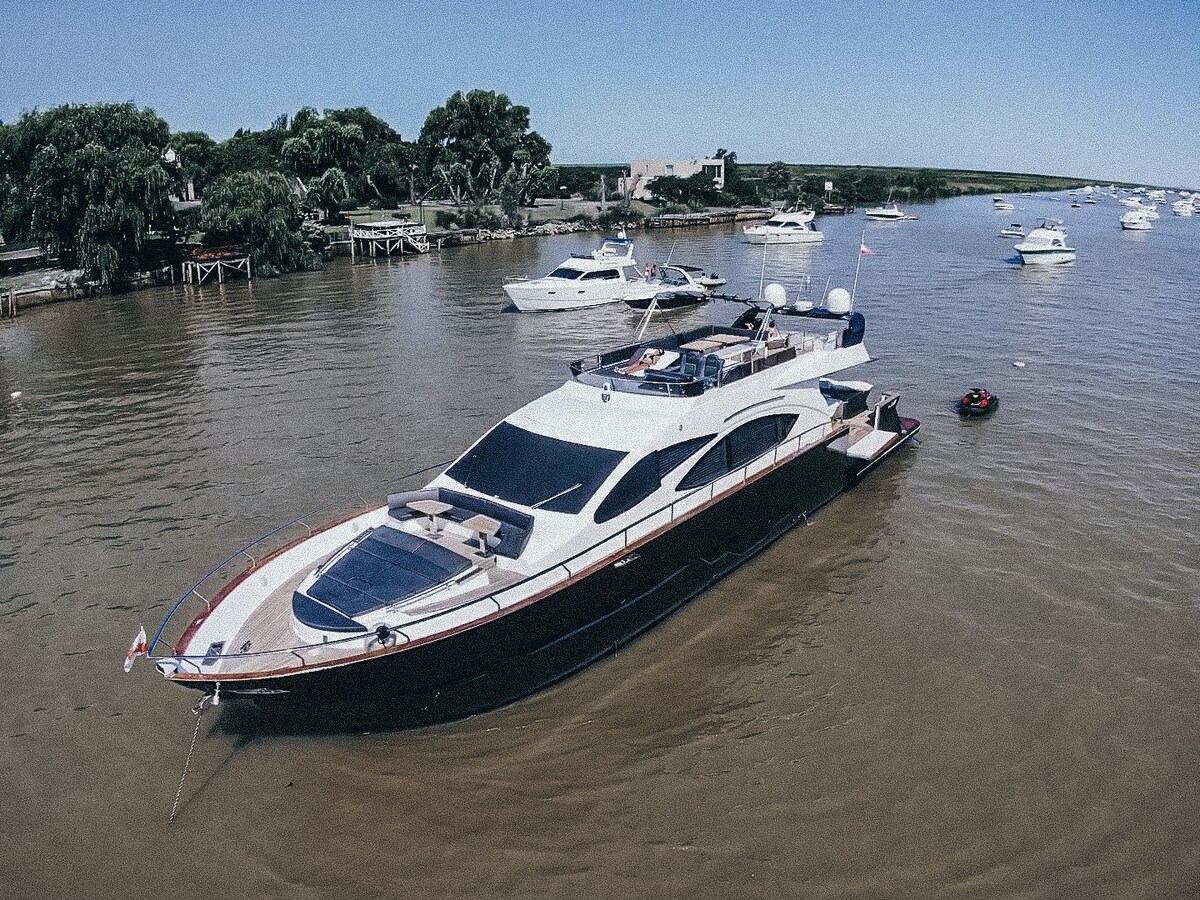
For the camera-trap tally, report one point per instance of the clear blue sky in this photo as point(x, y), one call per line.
point(1104, 90)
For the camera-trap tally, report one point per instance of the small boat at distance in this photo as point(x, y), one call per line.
point(889, 212)
point(785, 228)
point(978, 402)
point(1000, 203)
point(1046, 244)
point(1013, 230)
point(1135, 220)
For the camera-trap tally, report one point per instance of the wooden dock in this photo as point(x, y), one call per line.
point(200, 265)
point(386, 237)
point(708, 217)
point(690, 220)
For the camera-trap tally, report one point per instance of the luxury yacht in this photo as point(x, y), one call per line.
point(785, 228)
point(1046, 244)
point(889, 212)
point(1183, 207)
point(562, 533)
point(607, 275)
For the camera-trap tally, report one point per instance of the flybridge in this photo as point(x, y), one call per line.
point(688, 364)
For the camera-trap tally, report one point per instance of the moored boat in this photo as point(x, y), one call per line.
point(1135, 220)
point(889, 212)
point(1046, 244)
point(566, 530)
point(785, 228)
point(673, 286)
point(606, 275)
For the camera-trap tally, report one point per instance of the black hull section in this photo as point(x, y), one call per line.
point(512, 656)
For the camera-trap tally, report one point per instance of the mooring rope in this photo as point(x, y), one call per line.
point(198, 710)
point(183, 776)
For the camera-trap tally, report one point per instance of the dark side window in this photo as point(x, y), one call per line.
point(604, 274)
point(740, 446)
point(519, 466)
point(645, 477)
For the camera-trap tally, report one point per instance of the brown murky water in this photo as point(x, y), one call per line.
point(973, 676)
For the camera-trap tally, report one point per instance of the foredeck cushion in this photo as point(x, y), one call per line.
point(386, 566)
point(515, 526)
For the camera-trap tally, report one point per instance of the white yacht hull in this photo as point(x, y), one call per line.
point(1030, 257)
point(532, 297)
point(798, 237)
point(625, 589)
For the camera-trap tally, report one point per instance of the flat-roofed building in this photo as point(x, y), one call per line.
point(643, 171)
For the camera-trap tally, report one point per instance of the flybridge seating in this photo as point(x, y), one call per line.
point(688, 364)
point(613, 248)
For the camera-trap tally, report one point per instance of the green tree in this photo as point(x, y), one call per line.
point(742, 189)
point(260, 210)
point(327, 192)
point(392, 171)
point(196, 157)
point(251, 151)
point(324, 145)
point(695, 190)
point(777, 179)
point(472, 142)
point(87, 182)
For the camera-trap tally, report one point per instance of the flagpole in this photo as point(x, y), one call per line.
point(854, 290)
point(763, 272)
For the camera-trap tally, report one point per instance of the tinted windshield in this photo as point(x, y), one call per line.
point(518, 466)
point(564, 272)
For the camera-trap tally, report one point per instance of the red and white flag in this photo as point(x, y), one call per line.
point(865, 250)
point(137, 648)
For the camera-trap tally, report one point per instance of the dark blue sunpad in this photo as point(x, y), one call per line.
point(386, 566)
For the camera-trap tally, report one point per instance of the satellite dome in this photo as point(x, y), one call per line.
point(775, 295)
point(838, 301)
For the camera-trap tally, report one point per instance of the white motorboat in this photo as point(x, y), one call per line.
point(607, 275)
point(1046, 244)
point(1013, 230)
point(1000, 203)
point(564, 532)
point(1183, 207)
point(1135, 220)
point(785, 228)
point(889, 212)
point(673, 286)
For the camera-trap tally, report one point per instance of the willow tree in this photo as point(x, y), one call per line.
point(87, 182)
point(262, 211)
point(476, 140)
